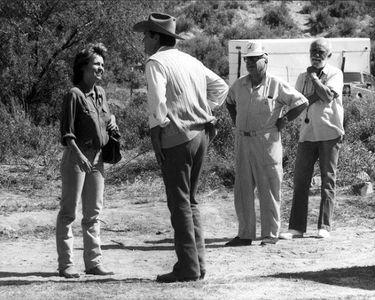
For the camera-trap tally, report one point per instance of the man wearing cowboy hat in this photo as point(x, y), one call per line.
point(255, 103)
point(181, 94)
point(320, 137)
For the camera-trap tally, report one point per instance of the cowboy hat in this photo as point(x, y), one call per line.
point(158, 22)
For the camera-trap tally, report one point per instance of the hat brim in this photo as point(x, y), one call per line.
point(254, 54)
point(144, 26)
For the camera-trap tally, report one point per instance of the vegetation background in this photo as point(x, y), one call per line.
point(39, 39)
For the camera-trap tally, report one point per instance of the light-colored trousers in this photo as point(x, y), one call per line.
point(258, 165)
point(88, 187)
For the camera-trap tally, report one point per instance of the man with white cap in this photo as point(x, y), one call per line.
point(255, 103)
point(320, 138)
point(181, 94)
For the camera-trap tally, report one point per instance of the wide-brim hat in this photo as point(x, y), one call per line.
point(158, 22)
point(254, 48)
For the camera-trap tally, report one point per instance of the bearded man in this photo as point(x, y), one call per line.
point(255, 103)
point(320, 138)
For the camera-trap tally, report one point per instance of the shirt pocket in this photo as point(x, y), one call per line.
point(88, 110)
point(104, 113)
point(267, 106)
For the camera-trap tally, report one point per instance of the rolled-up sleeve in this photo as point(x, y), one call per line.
point(156, 94)
point(231, 99)
point(291, 96)
point(217, 89)
point(336, 83)
point(68, 114)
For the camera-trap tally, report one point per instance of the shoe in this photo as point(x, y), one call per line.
point(269, 240)
point(237, 241)
point(291, 234)
point(99, 270)
point(69, 272)
point(171, 277)
point(323, 234)
point(203, 274)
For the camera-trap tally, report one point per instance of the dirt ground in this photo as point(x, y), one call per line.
point(137, 244)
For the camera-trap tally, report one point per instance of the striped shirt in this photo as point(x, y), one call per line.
point(181, 94)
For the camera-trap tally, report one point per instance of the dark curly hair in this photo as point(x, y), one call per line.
point(83, 58)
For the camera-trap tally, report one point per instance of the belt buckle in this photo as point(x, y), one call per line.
point(250, 133)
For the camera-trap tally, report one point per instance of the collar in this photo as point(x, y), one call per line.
point(163, 48)
point(95, 94)
point(325, 69)
point(91, 93)
point(247, 81)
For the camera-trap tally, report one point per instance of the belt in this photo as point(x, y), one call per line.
point(256, 132)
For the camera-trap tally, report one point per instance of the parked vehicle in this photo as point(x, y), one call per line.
point(290, 57)
point(358, 84)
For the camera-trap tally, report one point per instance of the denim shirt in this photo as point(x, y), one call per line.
point(84, 117)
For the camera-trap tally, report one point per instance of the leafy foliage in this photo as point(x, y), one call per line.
point(210, 51)
point(39, 38)
point(278, 16)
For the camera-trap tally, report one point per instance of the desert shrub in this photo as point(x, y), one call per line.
point(33, 151)
point(354, 158)
point(346, 27)
point(235, 5)
point(210, 51)
point(278, 16)
point(183, 24)
point(359, 119)
point(289, 138)
point(307, 9)
point(240, 31)
point(223, 144)
point(200, 12)
point(132, 120)
point(136, 166)
point(320, 21)
point(344, 9)
point(218, 171)
point(22, 140)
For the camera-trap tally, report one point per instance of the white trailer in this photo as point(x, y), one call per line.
point(290, 57)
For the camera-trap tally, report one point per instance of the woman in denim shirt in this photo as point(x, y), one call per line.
point(85, 121)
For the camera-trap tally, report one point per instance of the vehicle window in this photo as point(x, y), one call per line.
point(352, 77)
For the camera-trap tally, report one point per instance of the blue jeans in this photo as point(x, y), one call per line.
point(181, 170)
point(307, 155)
point(76, 186)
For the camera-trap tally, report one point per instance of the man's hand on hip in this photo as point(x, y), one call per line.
point(156, 144)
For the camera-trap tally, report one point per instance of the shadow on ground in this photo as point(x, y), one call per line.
point(41, 277)
point(156, 245)
point(353, 277)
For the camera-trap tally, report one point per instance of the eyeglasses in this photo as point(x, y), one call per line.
point(252, 59)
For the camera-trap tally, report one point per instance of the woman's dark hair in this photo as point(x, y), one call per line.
point(165, 40)
point(83, 58)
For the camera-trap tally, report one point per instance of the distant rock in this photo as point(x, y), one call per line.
point(363, 188)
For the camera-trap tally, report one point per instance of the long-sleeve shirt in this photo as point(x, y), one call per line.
point(181, 94)
point(84, 117)
point(326, 119)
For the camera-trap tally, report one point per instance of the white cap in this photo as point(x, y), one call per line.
point(254, 48)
